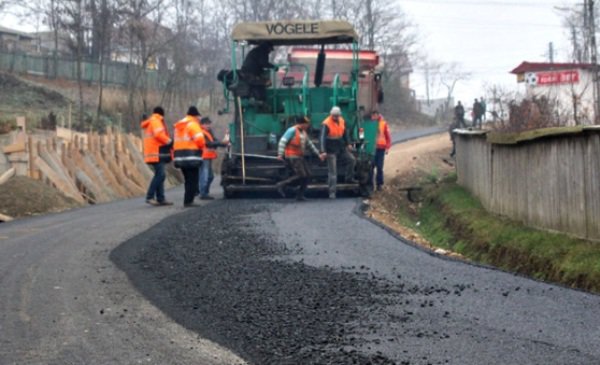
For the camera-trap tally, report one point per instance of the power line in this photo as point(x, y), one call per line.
point(487, 3)
point(454, 21)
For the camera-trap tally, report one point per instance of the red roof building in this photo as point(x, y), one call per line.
point(569, 87)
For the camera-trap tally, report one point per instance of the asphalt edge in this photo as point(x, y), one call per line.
point(361, 207)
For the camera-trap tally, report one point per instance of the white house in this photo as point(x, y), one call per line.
point(568, 86)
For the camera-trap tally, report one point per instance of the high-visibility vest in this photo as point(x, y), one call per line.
point(335, 130)
point(156, 136)
point(208, 153)
point(381, 140)
point(294, 146)
point(188, 143)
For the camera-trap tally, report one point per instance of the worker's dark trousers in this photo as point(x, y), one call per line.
point(378, 166)
point(191, 176)
point(157, 185)
point(301, 175)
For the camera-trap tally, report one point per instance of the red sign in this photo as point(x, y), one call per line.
point(558, 77)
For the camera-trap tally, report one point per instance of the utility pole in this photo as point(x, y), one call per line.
point(594, 58)
point(551, 52)
point(586, 32)
point(427, 83)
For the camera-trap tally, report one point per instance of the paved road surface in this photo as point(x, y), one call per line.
point(64, 302)
point(273, 281)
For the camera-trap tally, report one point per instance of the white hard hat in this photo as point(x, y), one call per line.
point(335, 111)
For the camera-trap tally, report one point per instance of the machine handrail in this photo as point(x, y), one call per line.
point(336, 85)
point(305, 92)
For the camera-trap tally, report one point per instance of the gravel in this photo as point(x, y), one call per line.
point(211, 272)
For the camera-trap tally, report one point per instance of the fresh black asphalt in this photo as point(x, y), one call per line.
point(279, 282)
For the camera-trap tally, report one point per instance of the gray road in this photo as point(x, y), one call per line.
point(405, 135)
point(65, 302)
point(470, 315)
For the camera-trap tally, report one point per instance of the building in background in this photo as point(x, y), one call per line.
point(45, 43)
point(568, 88)
point(15, 41)
point(438, 109)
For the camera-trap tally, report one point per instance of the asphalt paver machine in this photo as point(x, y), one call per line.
point(324, 67)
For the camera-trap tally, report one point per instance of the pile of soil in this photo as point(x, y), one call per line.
point(21, 197)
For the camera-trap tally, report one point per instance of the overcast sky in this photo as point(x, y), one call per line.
point(487, 37)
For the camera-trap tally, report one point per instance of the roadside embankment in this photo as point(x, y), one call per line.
point(422, 202)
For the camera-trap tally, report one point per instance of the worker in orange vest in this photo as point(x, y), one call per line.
point(335, 142)
point(292, 146)
point(383, 144)
point(188, 146)
point(157, 152)
point(209, 153)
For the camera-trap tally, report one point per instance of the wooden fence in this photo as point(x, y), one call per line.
point(549, 181)
point(89, 168)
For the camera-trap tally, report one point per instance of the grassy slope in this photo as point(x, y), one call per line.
point(451, 218)
point(18, 97)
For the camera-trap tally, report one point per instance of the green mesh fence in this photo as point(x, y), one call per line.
point(114, 73)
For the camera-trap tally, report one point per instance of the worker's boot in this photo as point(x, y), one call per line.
point(279, 186)
point(300, 194)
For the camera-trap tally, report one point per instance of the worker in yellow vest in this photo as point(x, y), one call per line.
point(209, 154)
point(382, 146)
point(157, 152)
point(188, 146)
point(335, 142)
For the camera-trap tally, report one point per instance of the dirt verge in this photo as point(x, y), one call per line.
point(21, 197)
point(408, 167)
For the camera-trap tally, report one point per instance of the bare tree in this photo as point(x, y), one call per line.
point(72, 19)
point(143, 34)
point(576, 20)
point(451, 74)
point(5, 4)
point(103, 16)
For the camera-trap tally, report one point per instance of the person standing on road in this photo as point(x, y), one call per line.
point(188, 145)
point(335, 142)
point(483, 108)
point(459, 115)
point(454, 125)
point(292, 146)
point(157, 152)
point(477, 112)
point(382, 147)
point(209, 153)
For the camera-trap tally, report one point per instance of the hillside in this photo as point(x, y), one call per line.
point(19, 97)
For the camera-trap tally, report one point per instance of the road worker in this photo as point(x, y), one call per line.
point(257, 60)
point(157, 152)
point(292, 146)
point(335, 142)
point(188, 146)
point(209, 154)
point(253, 69)
point(383, 144)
